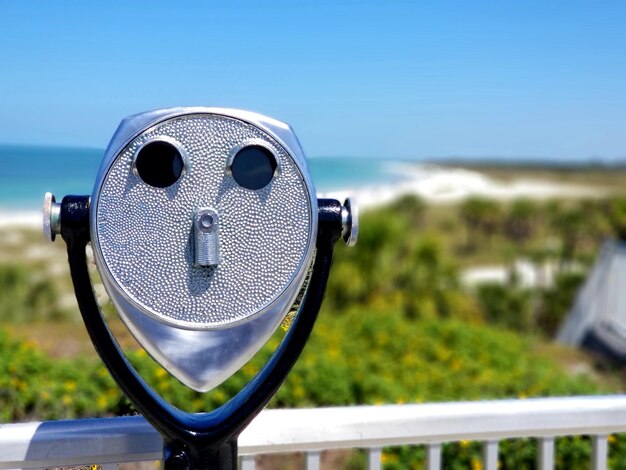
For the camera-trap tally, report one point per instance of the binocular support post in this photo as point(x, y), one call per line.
point(203, 440)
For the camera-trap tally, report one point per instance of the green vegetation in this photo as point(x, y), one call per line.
point(26, 297)
point(398, 324)
point(616, 209)
point(409, 258)
point(34, 386)
point(556, 301)
point(353, 358)
point(482, 218)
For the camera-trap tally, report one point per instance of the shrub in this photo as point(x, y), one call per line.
point(26, 296)
point(481, 216)
point(356, 358)
point(557, 300)
point(506, 305)
point(521, 220)
point(32, 386)
point(394, 268)
point(616, 214)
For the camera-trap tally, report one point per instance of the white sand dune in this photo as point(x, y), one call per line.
point(450, 185)
point(30, 219)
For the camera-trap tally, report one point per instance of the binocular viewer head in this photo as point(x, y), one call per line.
point(203, 224)
point(203, 220)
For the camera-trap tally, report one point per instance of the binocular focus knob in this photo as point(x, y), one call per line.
point(205, 227)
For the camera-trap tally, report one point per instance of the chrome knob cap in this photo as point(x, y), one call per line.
point(51, 217)
point(350, 222)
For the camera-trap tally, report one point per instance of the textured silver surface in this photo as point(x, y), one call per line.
point(145, 234)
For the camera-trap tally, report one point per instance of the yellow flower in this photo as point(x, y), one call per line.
point(388, 458)
point(249, 369)
point(286, 324)
point(219, 395)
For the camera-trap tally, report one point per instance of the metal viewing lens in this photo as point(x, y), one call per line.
point(159, 163)
point(253, 167)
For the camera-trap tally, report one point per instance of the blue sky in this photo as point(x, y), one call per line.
point(381, 79)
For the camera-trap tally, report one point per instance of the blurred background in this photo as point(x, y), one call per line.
point(485, 142)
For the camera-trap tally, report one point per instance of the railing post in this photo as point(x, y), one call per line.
point(600, 452)
point(374, 455)
point(247, 462)
point(545, 456)
point(313, 460)
point(433, 456)
point(490, 455)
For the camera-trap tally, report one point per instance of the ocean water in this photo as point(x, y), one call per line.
point(27, 172)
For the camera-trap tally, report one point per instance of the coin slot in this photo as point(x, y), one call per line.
point(253, 167)
point(159, 163)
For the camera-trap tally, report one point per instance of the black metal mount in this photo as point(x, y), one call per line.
point(198, 440)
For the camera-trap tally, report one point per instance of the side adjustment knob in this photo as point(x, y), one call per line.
point(51, 217)
point(350, 222)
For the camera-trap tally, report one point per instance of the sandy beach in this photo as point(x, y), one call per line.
point(29, 219)
point(443, 185)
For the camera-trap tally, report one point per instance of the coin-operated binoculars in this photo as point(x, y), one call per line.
point(205, 228)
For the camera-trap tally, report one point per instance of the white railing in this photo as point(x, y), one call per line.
point(114, 440)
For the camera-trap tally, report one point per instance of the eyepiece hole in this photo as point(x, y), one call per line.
point(253, 167)
point(159, 163)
